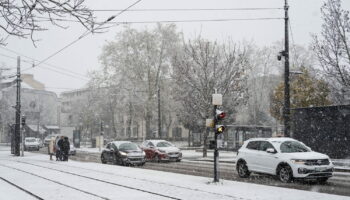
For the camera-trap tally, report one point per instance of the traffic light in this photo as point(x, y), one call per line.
point(219, 115)
point(220, 129)
point(23, 120)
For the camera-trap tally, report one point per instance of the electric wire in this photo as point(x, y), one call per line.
point(83, 35)
point(47, 68)
point(186, 9)
point(175, 21)
point(36, 60)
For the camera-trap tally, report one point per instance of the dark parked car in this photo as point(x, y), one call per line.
point(123, 153)
point(159, 150)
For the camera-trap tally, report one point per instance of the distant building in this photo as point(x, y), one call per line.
point(38, 105)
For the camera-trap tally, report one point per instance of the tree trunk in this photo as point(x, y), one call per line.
point(205, 138)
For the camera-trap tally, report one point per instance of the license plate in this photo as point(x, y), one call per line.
point(320, 169)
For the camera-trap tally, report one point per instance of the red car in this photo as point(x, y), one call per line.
point(159, 150)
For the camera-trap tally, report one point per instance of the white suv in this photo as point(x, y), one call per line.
point(285, 157)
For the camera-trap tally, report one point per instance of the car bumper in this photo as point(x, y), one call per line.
point(31, 147)
point(313, 172)
point(171, 156)
point(134, 160)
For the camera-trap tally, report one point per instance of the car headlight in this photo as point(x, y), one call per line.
point(298, 161)
point(162, 151)
point(123, 153)
point(143, 153)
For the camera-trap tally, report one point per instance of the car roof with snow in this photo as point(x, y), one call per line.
point(157, 141)
point(273, 139)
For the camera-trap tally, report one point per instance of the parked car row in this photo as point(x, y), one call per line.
point(129, 153)
point(286, 158)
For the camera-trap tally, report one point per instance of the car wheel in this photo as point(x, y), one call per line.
point(285, 174)
point(242, 169)
point(115, 160)
point(156, 158)
point(178, 160)
point(322, 180)
point(103, 159)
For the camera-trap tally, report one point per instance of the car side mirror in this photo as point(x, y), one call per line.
point(152, 147)
point(270, 150)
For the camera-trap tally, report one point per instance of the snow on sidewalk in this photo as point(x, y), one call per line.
point(165, 183)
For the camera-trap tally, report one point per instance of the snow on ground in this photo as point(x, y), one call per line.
point(49, 180)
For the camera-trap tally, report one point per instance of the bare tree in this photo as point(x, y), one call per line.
point(333, 47)
point(138, 62)
point(200, 68)
point(25, 17)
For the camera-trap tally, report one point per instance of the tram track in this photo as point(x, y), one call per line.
point(21, 188)
point(125, 186)
point(228, 172)
point(339, 184)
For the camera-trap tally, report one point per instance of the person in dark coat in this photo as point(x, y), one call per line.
point(65, 149)
point(59, 148)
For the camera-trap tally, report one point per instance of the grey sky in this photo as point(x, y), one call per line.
point(83, 56)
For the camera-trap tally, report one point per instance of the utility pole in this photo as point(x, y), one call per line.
point(286, 111)
point(159, 119)
point(101, 136)
point(23, 132)
point(18, 109)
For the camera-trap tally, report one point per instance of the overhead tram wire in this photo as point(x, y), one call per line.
point(33, 59)
point(184, 21)
point(186, 9)
point(84, 35)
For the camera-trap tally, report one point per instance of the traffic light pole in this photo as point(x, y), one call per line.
point(216, 151)
point(23, 133)
point(18, 109)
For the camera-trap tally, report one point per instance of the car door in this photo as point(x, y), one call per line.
point(149, 150)
point(251, 155)
point(107, 152)
point(266, 161)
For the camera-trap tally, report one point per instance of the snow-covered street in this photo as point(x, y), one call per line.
point(36, 177)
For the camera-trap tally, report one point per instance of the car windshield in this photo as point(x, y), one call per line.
point(164, 144)
point(30, 140)
point(128, 147)
point(293, 147)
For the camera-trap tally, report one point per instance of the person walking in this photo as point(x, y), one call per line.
point(51, 148)
point(59, 148)
point(65, 149)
